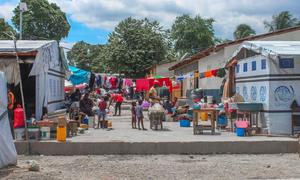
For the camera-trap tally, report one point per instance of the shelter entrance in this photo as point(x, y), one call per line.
point(29, 91)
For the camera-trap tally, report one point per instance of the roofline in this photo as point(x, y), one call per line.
point(20, 54)
point(219, 47)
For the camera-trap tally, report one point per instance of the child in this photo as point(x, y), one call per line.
point(133, 115)
point(102, 112)
point(139, 114)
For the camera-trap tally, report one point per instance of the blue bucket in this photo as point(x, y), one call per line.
point(222, 120)
point(240, 131)
point(85, 121)
point(185, 123)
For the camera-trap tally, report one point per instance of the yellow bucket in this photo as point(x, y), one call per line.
point(61, 134)
point(204, 116)
point(109, 124)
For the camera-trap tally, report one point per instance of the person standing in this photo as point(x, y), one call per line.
point(10, 107)
point(140, 115)
point(86, 105)
point(102, 112)
point(133, 115)
point(119, 100)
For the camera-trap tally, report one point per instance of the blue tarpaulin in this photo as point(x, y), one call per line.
point(78, 76)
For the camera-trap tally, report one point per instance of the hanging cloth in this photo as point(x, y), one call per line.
point(214, 72)
point(221, 72)
point(142, 85)
point(202, 75)
point(207, 74)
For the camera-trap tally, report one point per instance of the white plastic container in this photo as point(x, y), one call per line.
point(209, 99)
point(91, 121)
point(45, 133)
point(19, 134)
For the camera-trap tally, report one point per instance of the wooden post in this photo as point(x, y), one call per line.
point(299, 144)
point(21, 89)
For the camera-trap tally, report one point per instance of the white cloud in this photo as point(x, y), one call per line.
point(227, 13)
point(105, 14)
point(6, 11)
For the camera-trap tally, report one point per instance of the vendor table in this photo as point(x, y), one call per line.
point(214, 114)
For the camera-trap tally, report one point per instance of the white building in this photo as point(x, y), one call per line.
point(268, 72)
point(217, 56)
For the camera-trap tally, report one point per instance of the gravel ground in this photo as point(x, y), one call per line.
point(286, 166)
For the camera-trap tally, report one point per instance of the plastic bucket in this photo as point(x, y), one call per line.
point(45, 133)
point(222, 120)
point(61, 134)
point(91, 122)
point(240, 131)
point(33, 134)
point(204, 116)
point(209, 99)
point(185, 123)
point(19, 134)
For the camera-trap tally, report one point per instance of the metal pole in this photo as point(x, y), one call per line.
point(21, 89)
point(21, 23)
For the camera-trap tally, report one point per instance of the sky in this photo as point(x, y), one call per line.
point(93, 20)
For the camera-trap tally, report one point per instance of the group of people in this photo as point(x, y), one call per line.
point(89, 100)
point(137, 115)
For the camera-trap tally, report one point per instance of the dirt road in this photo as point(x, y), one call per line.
point(158, 167)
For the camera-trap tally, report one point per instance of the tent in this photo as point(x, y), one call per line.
point(43, 69)
point(8, 153)
point(78, 76)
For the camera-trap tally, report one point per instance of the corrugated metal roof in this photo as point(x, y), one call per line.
point(272, 49)
point(22, 45)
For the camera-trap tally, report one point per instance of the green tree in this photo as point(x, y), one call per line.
point(5, 30)
point(86, 56)
point(134, 46)
point(192, 34)
point(79, 55)
point(43, 20)
point(242, 31)
point(280, 21)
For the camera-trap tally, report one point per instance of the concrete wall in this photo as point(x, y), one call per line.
point(163, 69)
point(144, 148)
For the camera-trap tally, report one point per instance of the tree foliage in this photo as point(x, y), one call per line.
point(86, 56)
point(134, 46)
point(192, 34)
point(5, 30)
point(242, 31)
point(280, 21)
point(43, 20)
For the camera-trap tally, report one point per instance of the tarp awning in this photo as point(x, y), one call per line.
point(79, 76)
point(272, 49)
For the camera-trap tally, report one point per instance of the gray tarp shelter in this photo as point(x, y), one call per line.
point(43, 67)
point(8, 153)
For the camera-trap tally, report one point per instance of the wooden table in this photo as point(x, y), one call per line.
point(214, 114)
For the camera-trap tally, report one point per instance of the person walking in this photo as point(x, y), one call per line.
point(139, 115)
point(119, 101)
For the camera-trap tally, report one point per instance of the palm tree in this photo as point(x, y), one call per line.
point(280, 21)
point(242, 31)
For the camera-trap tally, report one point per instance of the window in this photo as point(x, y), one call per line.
point(245, 67)
point(253, 65)
point(285, 63)
point(263, 64)
point(237, 70)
